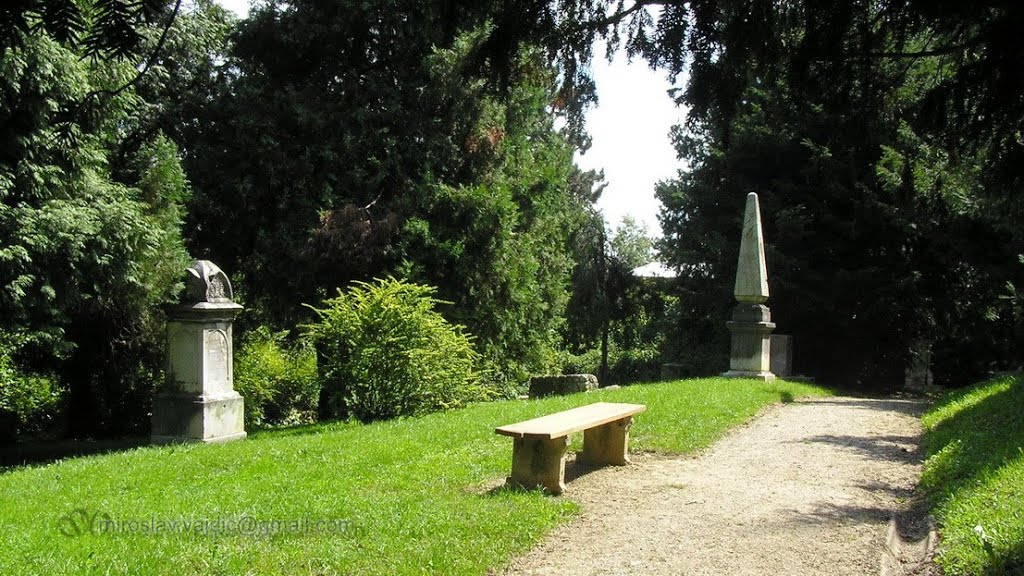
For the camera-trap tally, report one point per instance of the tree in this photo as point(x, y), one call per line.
point(87, 257)
point(871, 227)
point(355, 140)
point(602, 282)
point(631, 243)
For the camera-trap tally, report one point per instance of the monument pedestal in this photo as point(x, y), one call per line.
point(751, 329)
point(198, 402)
point(185, 418)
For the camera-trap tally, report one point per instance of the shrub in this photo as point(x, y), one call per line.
point(278, 380)
point(624, 366)
point(28, 404)
point(384, 351)
point(589, 362)
point(636, 365)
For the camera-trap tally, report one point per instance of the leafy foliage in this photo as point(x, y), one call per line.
point(384, 351)
point(631, 243)
point(278, 380)
point(101, 27)
point(87, 256)
point(352, 140)
point(28, 404)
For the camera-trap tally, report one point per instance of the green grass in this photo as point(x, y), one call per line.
point(415, 491)
point(974, 475)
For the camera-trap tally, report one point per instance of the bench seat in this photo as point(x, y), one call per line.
point(539, 445)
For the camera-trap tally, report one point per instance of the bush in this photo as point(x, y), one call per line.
point(624, 366)
point(278, 381)
point(384, 351)
point(636, 365)
point(28, 404)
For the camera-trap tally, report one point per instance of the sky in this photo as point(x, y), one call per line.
point(629, 130)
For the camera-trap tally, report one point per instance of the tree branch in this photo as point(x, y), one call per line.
point(617, 17)
point(149, 61)
point(942, 51)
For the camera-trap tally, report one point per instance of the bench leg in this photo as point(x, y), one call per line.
point(539, 462)
point(607, 444)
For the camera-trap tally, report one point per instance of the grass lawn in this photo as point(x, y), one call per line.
point(411, 494)
point(974, 474)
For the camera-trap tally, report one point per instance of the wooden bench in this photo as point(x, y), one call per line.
point(538, 449)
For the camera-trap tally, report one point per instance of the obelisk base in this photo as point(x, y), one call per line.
point(751, 328)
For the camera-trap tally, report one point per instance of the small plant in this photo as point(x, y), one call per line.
point(278, 380)
point(28, 404)
point(384, 351)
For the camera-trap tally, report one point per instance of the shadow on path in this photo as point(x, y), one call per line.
point(887, 448)
point(899, 405)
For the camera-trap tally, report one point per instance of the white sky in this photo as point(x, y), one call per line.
point(629, 131)
point(629, 128)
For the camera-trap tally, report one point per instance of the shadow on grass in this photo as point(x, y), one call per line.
point(45, 452)
point(972, 439)
point(300, 429)
point(979, 439)
point(573, 471)
point(38, 452)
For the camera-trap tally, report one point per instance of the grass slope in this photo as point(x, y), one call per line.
point(411, 490)
point(975, 476)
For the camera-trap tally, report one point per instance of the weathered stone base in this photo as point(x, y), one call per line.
point(673, 371)
point(560, 385)
point(781, 355)
point(751, 327)
point(765, 376)
point(189, 418)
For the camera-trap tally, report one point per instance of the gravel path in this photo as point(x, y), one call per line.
point(806, 488)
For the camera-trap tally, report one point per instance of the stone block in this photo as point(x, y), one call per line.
point(672, 371)
point(561, 385)
point(607, 444)
point(781, 346)
point(539, 462)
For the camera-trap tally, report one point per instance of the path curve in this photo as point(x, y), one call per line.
point(806, 488)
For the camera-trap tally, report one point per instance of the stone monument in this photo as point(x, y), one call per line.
point(198, 402)
point(751, 323)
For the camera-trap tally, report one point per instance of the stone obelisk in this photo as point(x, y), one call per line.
point(751, 323)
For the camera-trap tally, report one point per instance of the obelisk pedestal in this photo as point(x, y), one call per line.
point(751, 328)
point(751, 325)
